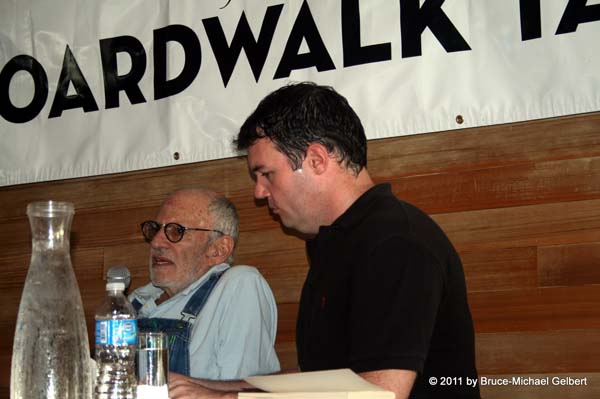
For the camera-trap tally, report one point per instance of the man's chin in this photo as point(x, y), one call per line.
point(158, 283)
point(159, 280)
point(297, 231)
point(285, 223)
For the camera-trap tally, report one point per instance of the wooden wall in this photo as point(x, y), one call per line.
point(521, 202)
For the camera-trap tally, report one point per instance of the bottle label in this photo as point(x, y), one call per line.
point(116, 332)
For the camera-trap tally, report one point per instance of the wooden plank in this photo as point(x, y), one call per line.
point(254, 214)
point(551, 351)
point(288, 359)
point(569, 264)
point(14, 269)
point(500, 269)
point(7, 326)
point(553, 389)
point(554, 308)
point(134, 189)
point(15, 237)
point(533, 141)
point(286, 321)
point(134, 256)
point(5, 364)
point(284, 270)
point(524, 226)
point(266, 241)
point(501, 186)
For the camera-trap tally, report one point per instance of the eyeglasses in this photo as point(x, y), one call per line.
point(173, 231)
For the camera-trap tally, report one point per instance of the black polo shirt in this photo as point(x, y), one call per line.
point(386, 290)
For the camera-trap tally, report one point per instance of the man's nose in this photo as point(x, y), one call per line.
point(260, 191)
point(159, 240)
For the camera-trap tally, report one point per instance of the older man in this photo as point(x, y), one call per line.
point(221, 320)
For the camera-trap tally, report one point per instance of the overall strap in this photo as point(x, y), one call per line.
point(196, 303)
point(137, 305)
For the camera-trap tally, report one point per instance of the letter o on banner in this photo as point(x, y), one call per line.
point(29, 64)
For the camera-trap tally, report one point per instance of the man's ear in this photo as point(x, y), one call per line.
point(317, 158)
point(221, 248)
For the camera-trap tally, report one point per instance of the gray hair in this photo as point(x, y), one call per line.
point(225, 219)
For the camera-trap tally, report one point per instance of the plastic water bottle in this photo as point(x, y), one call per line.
point(51, 354)
point(116, 342)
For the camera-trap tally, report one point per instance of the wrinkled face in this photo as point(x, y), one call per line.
point(288, 192)
point(174, 266)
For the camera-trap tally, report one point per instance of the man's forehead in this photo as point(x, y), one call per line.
point(262, 152)
point(254, 158)
point(182, 208)
point(254, 163)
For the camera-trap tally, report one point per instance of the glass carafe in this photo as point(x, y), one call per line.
point(51, 356)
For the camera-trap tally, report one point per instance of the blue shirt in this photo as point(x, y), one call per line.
point(234, 334)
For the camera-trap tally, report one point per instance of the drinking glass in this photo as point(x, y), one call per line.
point(152, 364)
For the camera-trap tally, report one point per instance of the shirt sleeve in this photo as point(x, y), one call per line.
point(247, 326)
point(394, 307)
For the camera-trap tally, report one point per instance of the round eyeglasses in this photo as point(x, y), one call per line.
point(173, 231)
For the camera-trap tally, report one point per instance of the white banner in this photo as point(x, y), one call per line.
point(90, 87)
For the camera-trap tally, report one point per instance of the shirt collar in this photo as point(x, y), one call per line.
point(357, 211)
point(151, 292)
point(192, 287)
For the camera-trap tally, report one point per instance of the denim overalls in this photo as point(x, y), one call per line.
point(179, 331)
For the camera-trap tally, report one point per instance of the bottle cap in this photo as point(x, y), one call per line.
point(115, 286)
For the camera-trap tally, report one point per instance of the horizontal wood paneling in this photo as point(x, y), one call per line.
point(286, 351)
point(284, 270)
point(521, 203)
point(286, 326)
point(500, 269)
point(5, 360)
point(569, 264)
point(536, 309)
point(486, 147)
point(550, 351)
point(502, 186)
point(113, 192)
point(557, 223)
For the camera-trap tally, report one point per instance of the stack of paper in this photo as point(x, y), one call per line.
point(329, 384)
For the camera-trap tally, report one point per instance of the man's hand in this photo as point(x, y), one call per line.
point(183, 387)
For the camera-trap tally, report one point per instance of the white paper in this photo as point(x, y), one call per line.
point(342, 380)
point(152, 392)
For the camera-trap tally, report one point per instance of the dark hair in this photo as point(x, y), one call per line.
point(299, 114)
